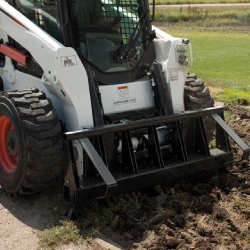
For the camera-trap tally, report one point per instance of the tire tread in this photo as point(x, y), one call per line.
point(43, 135)
point(197, 96)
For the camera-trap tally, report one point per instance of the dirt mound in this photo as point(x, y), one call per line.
point(208, 211)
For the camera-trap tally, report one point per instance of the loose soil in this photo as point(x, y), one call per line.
point(207, 211)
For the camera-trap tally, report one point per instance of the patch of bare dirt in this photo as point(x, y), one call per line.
point(22, 218)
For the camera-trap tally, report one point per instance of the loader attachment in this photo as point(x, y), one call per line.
point(182, 149)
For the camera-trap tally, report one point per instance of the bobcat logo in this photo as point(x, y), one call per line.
point(68, 61)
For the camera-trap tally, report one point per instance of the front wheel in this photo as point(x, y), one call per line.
point(31, 143)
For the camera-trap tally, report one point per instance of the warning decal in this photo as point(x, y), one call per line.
point(124, 97)
point(123, 92)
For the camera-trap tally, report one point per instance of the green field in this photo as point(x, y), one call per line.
point(223, 60)
point(198, 1)
point(225, 17)
point(220, 37)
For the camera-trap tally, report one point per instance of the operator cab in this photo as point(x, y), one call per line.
point(112, 37)
point(104, 31)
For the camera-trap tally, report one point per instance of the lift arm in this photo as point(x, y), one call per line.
point(64, 73)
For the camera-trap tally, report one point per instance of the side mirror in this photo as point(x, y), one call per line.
point(153, 11)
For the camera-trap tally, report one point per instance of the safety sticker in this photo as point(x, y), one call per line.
point(123, 92)
point(124, 97)
point(68, 61)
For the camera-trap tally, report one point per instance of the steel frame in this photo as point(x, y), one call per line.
point(186, 159)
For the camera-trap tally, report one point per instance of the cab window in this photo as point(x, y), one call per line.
point(44, 13)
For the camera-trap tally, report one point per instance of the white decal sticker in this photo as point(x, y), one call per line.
point(68, 61)
point(124, 97)
point(174, 75)
point(123, 92)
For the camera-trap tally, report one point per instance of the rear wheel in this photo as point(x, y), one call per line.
point(31, 143)
point(197, 96)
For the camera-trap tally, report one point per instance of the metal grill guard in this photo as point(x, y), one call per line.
point(134, 29)
point(185, 159)
point(129, 11)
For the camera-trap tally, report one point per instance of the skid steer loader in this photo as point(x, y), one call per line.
point(91, 89)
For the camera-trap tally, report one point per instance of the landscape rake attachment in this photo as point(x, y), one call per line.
point(188, 153)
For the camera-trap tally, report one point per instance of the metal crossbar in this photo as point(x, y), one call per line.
point(141, 123)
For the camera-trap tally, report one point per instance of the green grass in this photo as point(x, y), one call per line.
point(222, 60)
point(234, 96)
point(205, 16)
point(64, 233)
point(158, 2)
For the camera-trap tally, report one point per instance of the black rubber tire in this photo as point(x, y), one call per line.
point(197, 96)
point(40, 141)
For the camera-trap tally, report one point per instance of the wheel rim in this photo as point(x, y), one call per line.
point(8, 145)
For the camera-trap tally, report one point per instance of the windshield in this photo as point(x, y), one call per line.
point(112, 33)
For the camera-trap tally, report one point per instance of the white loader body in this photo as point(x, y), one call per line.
point(65, 80)
point(67, 85)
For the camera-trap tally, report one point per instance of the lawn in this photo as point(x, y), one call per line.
point(205, 16)
point(198, 1)
point(220, 39)
point(223, 60)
